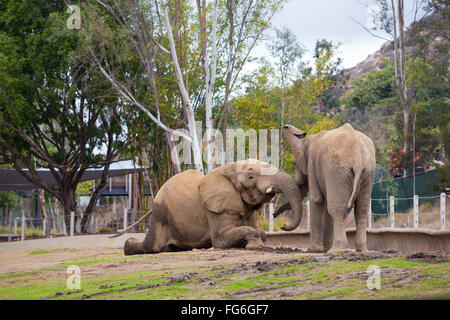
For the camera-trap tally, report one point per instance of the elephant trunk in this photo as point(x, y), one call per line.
point(289, 187)
point(133, 246)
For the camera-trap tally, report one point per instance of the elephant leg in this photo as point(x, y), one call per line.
point(336, 208)
point(239, 237)
point(155, 241)
point(340, 242)
point(361, 215)
point(316, 216)
point(327, 231)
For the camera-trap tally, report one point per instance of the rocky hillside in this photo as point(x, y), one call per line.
point(372, 62)
point(428, 25)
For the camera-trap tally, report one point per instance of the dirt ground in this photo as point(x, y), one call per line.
point(271, 273)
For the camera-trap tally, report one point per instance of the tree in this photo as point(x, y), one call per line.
point(244, 25)
point(8, 201)
point(259, 106)
point(55, 111)
point(164, 42)
point(287, 52)
point(330, 96)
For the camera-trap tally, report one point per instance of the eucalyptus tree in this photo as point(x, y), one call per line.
point(184, 57)
point(287, 52)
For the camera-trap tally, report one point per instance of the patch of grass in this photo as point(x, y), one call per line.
point(399, 263)
point(338, 279)
point(166, 292)
point(41, 252)
point(434, 272)
point(92, 286)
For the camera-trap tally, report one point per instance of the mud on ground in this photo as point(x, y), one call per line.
point(270, 273)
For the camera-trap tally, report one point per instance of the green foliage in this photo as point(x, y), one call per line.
point(442, 182)
point(373, 104)
point(258, 107)
point(9, 200)
point(85, 188)
point(372, 89)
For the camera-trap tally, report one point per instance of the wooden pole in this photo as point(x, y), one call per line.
point(125, 218)
point(443, 196)
point(391, 212)
point(416, 211)
point(72, 223)
point(22, 234)
point(10, 227)
point(271, 217)
point(308, 214)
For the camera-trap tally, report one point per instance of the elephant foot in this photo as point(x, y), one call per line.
point(133, 246)
point(254, 243)
point(363, 249)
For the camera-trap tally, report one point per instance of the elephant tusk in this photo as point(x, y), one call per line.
point(270, 190)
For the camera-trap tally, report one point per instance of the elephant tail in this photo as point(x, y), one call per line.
point(121, 232)
point(351, 201)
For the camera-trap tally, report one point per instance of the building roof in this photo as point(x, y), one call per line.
point(11, 180)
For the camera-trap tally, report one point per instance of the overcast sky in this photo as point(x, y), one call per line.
point(310, 20)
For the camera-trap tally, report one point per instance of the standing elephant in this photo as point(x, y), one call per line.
point(192, 210)
point(337, 169)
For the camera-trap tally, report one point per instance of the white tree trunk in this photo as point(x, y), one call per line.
point(184, 95)
point(209, 67)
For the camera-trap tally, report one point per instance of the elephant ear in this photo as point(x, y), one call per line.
point(219, 195)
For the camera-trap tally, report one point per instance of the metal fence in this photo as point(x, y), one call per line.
point(423, 215)
point(24, 228)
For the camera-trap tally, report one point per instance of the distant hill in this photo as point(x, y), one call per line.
point(375, 60)
point(372, 62)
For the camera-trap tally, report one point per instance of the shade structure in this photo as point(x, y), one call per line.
point(11, 180)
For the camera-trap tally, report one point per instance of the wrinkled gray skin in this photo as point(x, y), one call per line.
point(337, 168)
point(192, 210)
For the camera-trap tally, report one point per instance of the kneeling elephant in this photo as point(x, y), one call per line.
point(192, 210)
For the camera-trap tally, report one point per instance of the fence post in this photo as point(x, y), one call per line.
point(391, 212)
point(308, 215)
point(15, 226)
point(91, 223)
point(78, 225)
point(270, 217)
point(72, 223)
point(125, 218)
point(96, 225)
point(10, 227)
point(443, 196)
point(44, 227)
point(369, 223)
point(416, 211)
point(23, 226)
